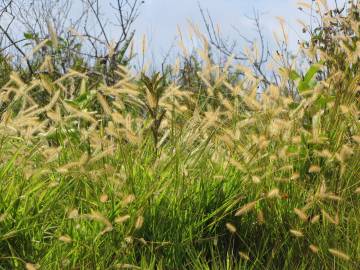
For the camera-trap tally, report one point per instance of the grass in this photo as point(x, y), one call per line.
point(142, 175)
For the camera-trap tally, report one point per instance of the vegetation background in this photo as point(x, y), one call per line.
point(218, 160)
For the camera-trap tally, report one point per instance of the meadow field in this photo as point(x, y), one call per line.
point(201, 167)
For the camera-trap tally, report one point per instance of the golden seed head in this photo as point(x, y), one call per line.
point(73, 214)
point(315, 219)
point(139, 222)
point(296, 233)
point(302, 215)
point(246, 208)
point(231, 228)
point(104, 198)
point(122, 219)
point(244, 255)
point(339, 254)
point(314, 169)
point(274, 193)
point(314, 248)
point(65, 239)
point(30, 266)
point(260, 217)
point(129, 199)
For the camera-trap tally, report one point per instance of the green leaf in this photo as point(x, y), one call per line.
point(323, 100)
point(293, 148)
point(308, 82)
point(311, 72)
point(303, 86)
point(28, 35)
point(293, 105)
point(294, 75)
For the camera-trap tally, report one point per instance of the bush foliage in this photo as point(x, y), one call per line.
point(216, 170)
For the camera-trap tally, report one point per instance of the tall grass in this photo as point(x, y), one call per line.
point(147, 175)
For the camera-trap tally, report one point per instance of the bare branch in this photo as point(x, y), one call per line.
point(96, 12)
point(228, 49)
point(15, 44)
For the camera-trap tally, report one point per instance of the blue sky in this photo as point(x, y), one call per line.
point(159, 18)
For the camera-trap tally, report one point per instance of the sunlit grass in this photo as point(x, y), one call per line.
point(146, 175)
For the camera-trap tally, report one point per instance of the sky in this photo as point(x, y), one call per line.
point(159, 19)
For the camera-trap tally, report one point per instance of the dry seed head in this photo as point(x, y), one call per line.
point(255, 179)
point(314, 169)
point(260, 217)
point(282, 153)
point(344, 109)
point(324, 153)
point(37, 48)
point(345, 153)
point(73, 214)
point(83, 159)
point(16, 79)
point(139, 222)
point(151, 100)
point(56, 117)
point(65, 239)
point(286, 168)
point(231, 228)
point(122, 219)
point(296, 140)
point(262, 142)
point(30, 266)
point(127, 266)
point(97, 216)
point(330, 219)
point(330, 196)
point(52, 33)
point(252, 103)
point(315, 219)
point(246, 208)
point(227, 104)
point(356, 139)
point(302, 215)
point(296, 233)
point(143, 241)
point(129, 239)
point(104, 198)
point(244, 255)
point(339, 254)
point(227, 140)
point(107, 152)
point(237, 165)
point(357, 191)
point(274, 193)
point(212, 117)
point(324, 3)
point(295, 176)
point(274, 92)
point(322, 189)
point(302, 23)
point(129, 199)
point(104, 104)
point(314, 248)
point(3, 217)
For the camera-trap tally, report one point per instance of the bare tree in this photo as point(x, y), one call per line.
point(229, 48)
point(88, 35)
point(126, 12)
